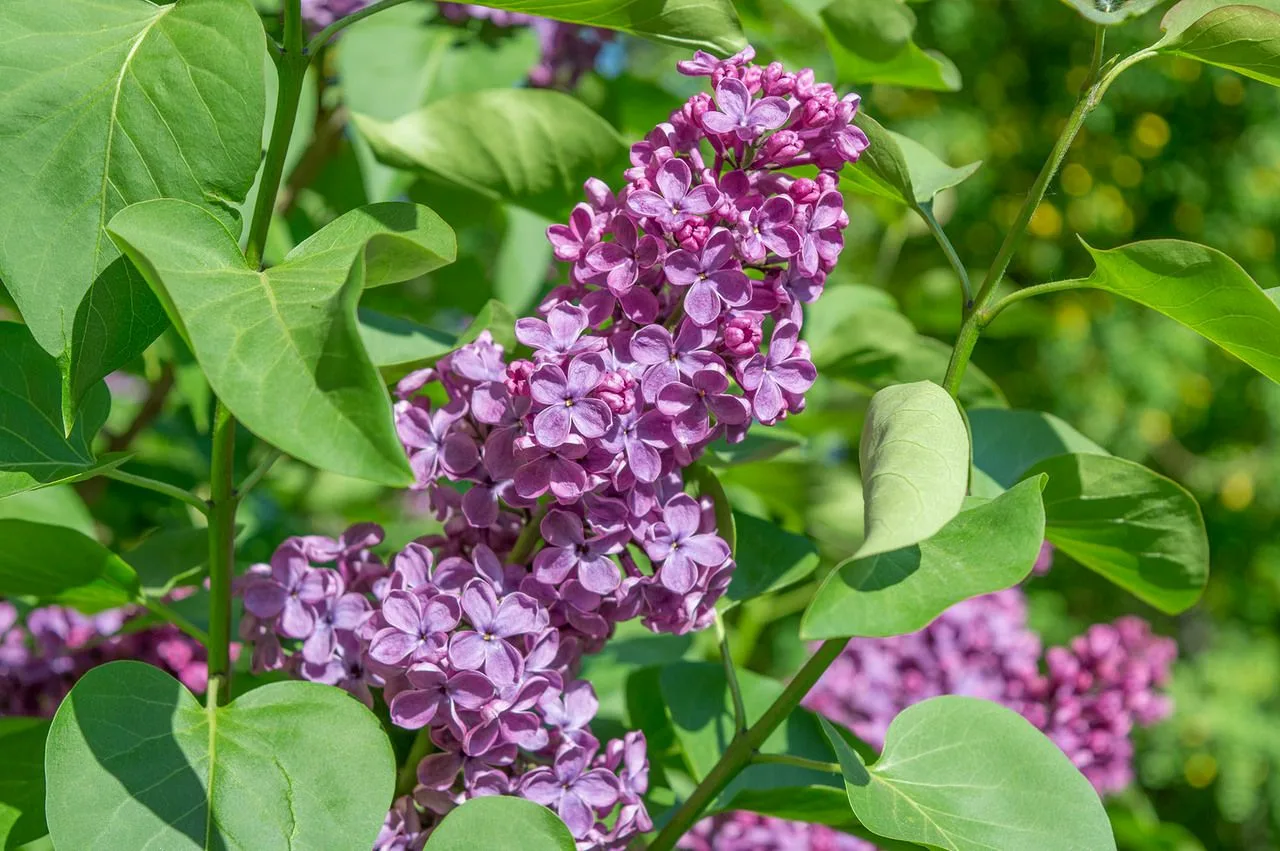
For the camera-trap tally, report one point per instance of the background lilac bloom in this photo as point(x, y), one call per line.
point(713, 276)
point(676, 542)
point(493, 623)
point(677, 202)
point(768, 376)
point(568, 402)
point(572, 790)
point(568, 551)
point(740, 115)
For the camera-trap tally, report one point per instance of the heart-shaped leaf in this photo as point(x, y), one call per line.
point(530, 147)
point(870, 41)
point(1007, 443)
point(969, 775)
point(990, 546)
point(901, 169)
point(60, 565)
point(1200, 287)
point(915, 465)
point(281, 348)
point(1140, 530)
point(767, 558)
point(136, 101)
point(1243, 37)
point(501, 823)
point(22, 742)
point(34, 450)
point(1111, 12)
point(399, 346)
point(286, 766)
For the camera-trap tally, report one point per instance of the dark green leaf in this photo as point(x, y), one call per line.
point(289, 765)
point(870, 41)
point(34, 449)
point(281, 348)
point(1110, 12)
point(501, 823)
point(768, 558)
point(756, 446)
point(990, 546)
point(1244, 37)
point(22, 780)
point(915, 465)
point(1200, 287)
point(60, 565)
point(709, 486)
point(169, 558)
point(547, 143)
point(1007, 443)
point(901, 169)
point(399, 346)
point(969, 775)
point(1140, 530)
point(136, 101)
point(631, 648)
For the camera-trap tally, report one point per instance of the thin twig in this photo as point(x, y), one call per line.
point(797, 761)
point(731, 677)
point(172, 491)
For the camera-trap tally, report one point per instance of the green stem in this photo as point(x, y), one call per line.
point(974, 318)
point(322, 38)
point(1025, 293)
point(731, 677)
point(528, 539)
point(926, 212)
point(264, 467)
point(171, 491)
point(407, 777)
point(222, 531)
point(742, 749)
point(797, 761)
point(161, 610)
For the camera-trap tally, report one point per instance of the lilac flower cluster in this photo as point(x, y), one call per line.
point(567, 50)
point(742, 831)
point(43, 653)
point(558, 478)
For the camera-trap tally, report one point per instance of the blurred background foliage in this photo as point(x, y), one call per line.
point(1178, 149)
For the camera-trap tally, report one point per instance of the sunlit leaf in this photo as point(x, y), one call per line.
point(60, 565)
point(870, 41)
point(501, 823)
point(901, 169)
point(1007, 443)
point(1243, 37)
point(398, 346)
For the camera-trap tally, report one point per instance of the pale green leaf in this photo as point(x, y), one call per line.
point(529, 147)
point(1007, 443)
point(915, 465)
point(501, 823)
point(281, 348)
point(135, 101)
point(57, 564)
point(1135, 527)
point(870, 41)
point(963, 774)
point(288, 765)
point(59, 505)
point(1243, 37)
point(990, 546)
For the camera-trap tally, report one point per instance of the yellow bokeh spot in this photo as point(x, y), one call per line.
point(1185, 70)
point(1150, 135)
point(1200, 769)
point(1046, 221)
point(1154, 426)
point(1196, 390)
point(1260, 243)
point(1236, 491)
point(1072, 320)
point(1126, 171)
point(1076, 180)
point(1188, 217)
point(1228, 90)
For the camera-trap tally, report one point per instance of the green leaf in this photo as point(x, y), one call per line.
point(501, 823)
point(710, 25)
point(1111, 12)
point(530, 147)
point(870, 41)
point(756, 446)
point(60, 565)
point(631, 648)
point(34, 450)
point(22, 780)
point(969, 775)
point(1200, 287)
point(709, 485)
point(990, 546)
point(281, 347)
point(1244, 37)
point(901, 169)
point(169, 558)
point(288, 765)
point(524, 258)
point(136, 101)
point(1135, 527)
point(398, 346)
point(59, 505)
point(768, 558)
point(915, 465)
point(1007, 443)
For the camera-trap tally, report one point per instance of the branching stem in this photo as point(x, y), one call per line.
point(171, 491)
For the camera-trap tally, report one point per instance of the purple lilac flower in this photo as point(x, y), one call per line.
point(578, 793)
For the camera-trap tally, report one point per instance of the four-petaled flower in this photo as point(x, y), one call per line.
point(713, 275)
point(676, 542)
point(494, 623)
point(767, 376)
point(571, 789)
point(690, 405)
point(416, 629)
point(678, 202)
point(569, 551)
point(568, 401)
point(742, 117)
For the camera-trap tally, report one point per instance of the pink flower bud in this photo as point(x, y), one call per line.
point(742, 335)
point(517, 380)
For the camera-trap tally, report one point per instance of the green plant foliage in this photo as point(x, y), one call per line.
point(58, 564)
point(399, 346)
point(22, 742)
point(989, 546)
point(1242, 37)
point(169, 559)
point(137, 101)
point(59, 505)
point(1200, 287)
point(870, 41)
point(321, 399)
point(272, 770)
point(1007, 443)
point(34, 450)
point(901, 169)
point(969, 775)
point(1140, 530)
point(915, 465)
point(1111, 12)
point(501, 823)
point(767, 558)
point(548, 143)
